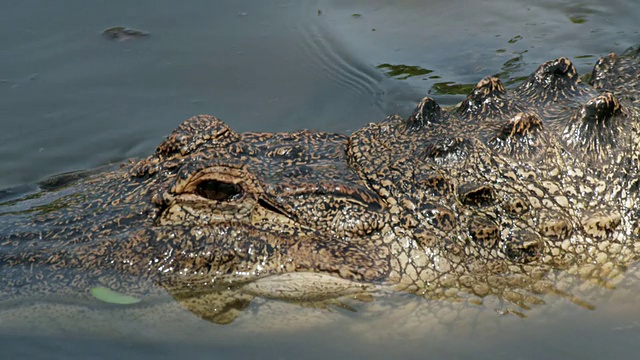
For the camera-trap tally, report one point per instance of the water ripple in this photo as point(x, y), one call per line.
point(326, 52)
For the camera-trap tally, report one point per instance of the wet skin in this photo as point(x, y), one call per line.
point(498, 196)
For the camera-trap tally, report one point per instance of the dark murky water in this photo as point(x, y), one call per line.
point(72, 99)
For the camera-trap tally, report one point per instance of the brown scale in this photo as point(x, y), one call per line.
point(520, 137)
point(427, 115)
point(615, 74)
point(488, 107)
point(596, 131)
point(551, 89)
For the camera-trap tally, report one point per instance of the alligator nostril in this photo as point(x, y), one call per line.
point(219, 191)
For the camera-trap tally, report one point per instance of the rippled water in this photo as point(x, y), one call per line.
point(72, 99)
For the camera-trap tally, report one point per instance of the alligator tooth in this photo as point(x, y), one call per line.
point(427, 112)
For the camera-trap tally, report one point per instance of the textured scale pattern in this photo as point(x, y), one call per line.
point(514, 193)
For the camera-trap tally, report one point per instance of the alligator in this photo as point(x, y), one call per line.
point(512, 194)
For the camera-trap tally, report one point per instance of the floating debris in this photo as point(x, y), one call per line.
point(121, 33)
point(403, 72)
point(109, 296)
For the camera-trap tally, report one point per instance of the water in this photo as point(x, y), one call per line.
point(72, 99)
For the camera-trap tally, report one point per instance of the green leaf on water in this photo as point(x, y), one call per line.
point(403, 72)
point(578, 19)
point(109, 296)
point(450, 88)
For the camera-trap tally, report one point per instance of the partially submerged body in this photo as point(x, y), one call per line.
point(512, 195)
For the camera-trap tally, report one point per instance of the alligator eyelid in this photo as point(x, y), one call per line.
point(219, 190)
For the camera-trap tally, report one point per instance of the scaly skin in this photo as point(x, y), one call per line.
point(512, 194)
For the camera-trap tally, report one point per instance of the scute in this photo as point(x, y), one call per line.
point(488, 101)
point(555, 81)
point(446, 149)
point(484, 232)
point(426, 114)
point(615, 73)
point(557, 229)
point(195, 132)
point(476, 194)
point(597, 128)
point(524, 247)
point(599, 224)
point(519, 137)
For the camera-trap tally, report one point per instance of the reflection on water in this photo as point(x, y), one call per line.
point(402, 326)
point(336, 63)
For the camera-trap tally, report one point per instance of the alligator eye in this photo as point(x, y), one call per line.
point(219, 191)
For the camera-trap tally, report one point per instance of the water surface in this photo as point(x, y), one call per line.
point(72, 99)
